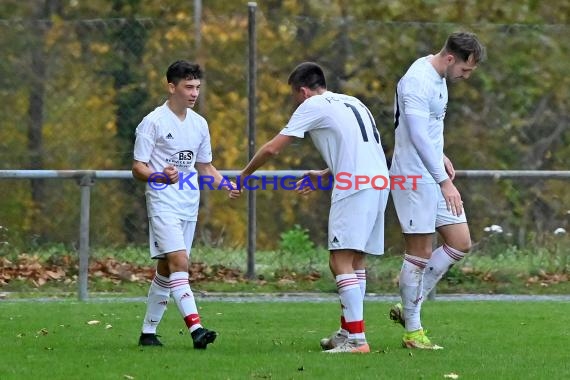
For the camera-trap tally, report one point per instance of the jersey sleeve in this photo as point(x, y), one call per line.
point(144, 141)
point(305, 118)
point(424, 147)
point(204, 155)
point(414, 97)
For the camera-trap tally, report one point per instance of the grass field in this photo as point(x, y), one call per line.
point(262, 340)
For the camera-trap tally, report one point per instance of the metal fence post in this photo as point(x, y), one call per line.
point(251, 209)
point(85, 183)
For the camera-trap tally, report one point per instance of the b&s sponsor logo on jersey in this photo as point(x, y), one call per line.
point(181, 159)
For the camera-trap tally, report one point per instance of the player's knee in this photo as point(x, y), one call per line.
point(462, 246)
point(359, 261)
point(177, 261)
point(466, 246)
point(419, 252)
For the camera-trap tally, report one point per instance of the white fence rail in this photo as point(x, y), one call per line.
point(87, 178)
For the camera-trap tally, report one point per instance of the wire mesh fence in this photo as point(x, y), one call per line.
point(72, 91)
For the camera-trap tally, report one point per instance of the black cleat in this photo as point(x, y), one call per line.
point(149, 340)
point(202, 337)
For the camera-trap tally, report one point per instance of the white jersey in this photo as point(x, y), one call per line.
point(344, 132)
point(421, 92)
point(162, 139)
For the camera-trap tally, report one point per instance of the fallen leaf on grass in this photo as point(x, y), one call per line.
point(55, 275)
point(93, 322)
point(39, 272)
point(43, 331)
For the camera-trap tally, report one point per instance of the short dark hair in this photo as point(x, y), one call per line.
point(464, 45)
point(183, 70)
point(307, 74)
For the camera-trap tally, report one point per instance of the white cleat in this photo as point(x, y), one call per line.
point(335, 340)
point(350, 346)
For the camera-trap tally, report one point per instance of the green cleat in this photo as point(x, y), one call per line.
point(418, 339)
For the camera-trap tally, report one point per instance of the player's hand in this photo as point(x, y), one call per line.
point(452, 197)
point(172, 173)
point(233, 191)
point(308, 183)
point(244, 181)
point(449, 167)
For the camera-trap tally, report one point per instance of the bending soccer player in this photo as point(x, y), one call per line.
point(344, 132)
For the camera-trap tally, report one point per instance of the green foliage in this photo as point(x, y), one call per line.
point(494, 267)
point(504, 266)
point(5, 245)
point(296, 240)
point(296, 250)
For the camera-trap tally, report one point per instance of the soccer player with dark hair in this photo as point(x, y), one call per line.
point(174, 141)
point(344, 132)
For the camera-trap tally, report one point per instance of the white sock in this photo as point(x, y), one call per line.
point(441, 259)
point(342, 330)
point(352, 305)
point(184, 299)
point(361, 275)
point(411, 277)
point(158, 295)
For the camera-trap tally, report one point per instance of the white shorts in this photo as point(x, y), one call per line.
point(168, 233)
point(422, 210)
point(357, 222)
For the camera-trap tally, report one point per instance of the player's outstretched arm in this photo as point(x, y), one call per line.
point(270, 149)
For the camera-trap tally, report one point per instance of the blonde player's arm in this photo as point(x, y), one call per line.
point(426, 151)
point(449, 167)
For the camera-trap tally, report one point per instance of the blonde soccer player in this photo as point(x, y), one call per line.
point(435, 205)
